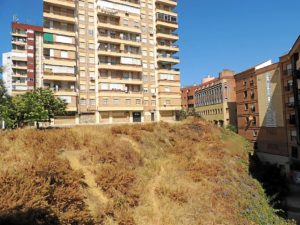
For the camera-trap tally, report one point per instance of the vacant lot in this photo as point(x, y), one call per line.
point(155, 174)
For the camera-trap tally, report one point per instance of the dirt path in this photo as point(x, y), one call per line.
point(95, 196)
point(133, 144)
point(153, 197)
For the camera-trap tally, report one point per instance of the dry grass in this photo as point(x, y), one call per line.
point(154, 174)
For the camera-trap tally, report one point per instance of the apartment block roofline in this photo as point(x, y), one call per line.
point(27, 26)
point(267, 68)
point(190, 86)
point(254, 68)
point(295, 46)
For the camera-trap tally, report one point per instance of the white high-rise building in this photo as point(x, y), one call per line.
point(7, 71)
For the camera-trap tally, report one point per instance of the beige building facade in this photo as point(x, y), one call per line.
point(215, 99)
point(113, 61)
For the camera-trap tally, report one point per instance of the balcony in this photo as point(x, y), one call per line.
point(19, 66)
point(287, 72)
point(118, 53)
point(116, 26)
point(65, 3)
point(165, 20)
point(292, 121)
point(168, 58)
point(117, 39)
point(288, 88)
point(116, 93)
point(59, 61)
point(19, 34)
point(172, 71)
point(172, 48)
point(133, 3)
point(57, 16)
point(51, 76)
point(167, 35)
point(64, 91)
point(290, 105)
point(119, 66)
point(165, 11)
point(19, 41)
point(122, 81)
point(168, 2)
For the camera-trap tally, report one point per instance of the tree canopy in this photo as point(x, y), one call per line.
point(32, 107)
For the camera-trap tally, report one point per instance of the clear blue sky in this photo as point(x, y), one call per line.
point(214, 34)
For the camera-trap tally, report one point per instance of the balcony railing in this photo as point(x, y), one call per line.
point(287, 72)
point(167, 32)
point(168, 56)
point(118, 37)
point(290, 104)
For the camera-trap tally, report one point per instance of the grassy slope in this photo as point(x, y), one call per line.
point(156, 174)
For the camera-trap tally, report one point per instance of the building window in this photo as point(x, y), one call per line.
point(116, 101)
point(253, 108)
point(254, 121)
point(251, 83)
point(292, 119)
point(128, 101)
point(255, 133)
point(252, 94)
point(294, 152)
point(105, 101)
point(246, 107)
point(293, 135)
point(138, 101)
point(245, 94)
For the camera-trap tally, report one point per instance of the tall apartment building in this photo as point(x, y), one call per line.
point(7, 71)
point(112, 60)
point(23, 65)
point(215, 99)
point(290, 69)
point(260, 112)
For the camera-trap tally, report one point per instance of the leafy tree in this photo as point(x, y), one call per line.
point(3, 92)
point(40, 106)
point(7, 112)
point(53, 105)
point(37, 106)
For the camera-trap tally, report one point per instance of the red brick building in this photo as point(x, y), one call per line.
point(188, 97)
point(260, 112)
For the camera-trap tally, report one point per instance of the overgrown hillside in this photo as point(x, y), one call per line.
point(188, 173)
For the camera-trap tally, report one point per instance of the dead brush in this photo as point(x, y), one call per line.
point(113, 179)
point(176, 195)
point(125, 218)
point(116, 152)
point(149, 127)
point(201, 169)
point(117, 130)
point(48, 184)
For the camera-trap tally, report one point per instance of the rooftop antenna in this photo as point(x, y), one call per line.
point(15, 19)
